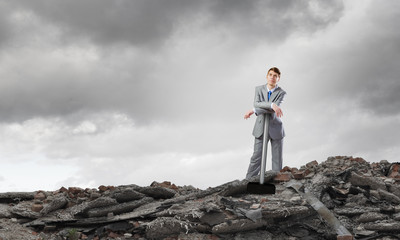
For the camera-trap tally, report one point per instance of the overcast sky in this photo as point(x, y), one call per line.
point(101, 92)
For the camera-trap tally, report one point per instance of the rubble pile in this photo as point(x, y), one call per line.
point(340, 198)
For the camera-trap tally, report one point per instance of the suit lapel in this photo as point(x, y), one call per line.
point(274, 94)
point(265, 92)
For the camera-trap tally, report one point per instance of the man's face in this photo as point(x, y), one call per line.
point(272, 78)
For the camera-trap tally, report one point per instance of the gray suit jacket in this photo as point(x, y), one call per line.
point(262, 105)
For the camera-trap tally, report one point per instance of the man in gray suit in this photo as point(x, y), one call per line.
point(267, 101)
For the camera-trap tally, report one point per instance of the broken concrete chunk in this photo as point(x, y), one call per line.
point(119, 208)
point(285, 212)
point(395, 189)
point(355, 210)
point(9, 197)
point(5, 211)
point(390, 197)
point(370, 217)
point(58, 202)
point(252, 214)
point(396, 216)
point(166, 226)
point(371, 182)
point(157, 192)
point(240, 225)
point(212, 218)
point(85, 206)
point(127, 195)
point(23, 209)
point(383, 226)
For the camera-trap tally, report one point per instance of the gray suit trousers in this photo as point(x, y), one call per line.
point(255, 161)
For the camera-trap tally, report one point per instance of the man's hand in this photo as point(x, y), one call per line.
point(278, 110)
point(248, 114)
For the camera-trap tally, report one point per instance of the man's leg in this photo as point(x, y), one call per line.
point(277, 159)
point(255, 161)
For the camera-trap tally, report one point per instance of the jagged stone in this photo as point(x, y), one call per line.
point(197, 236)
point(143, 211)
point(157, 192)
point(395, 189)
point(240, 225)
point(82, 208)
point(119, 226)
point(370, 182)
point(9, 197)
point(353, 211)
point(383, 226)
point(167, 226)
point(119, 208)
point(370, 217)
point(285, 212)
point(59, 202)
point(5, 211)
point(23, 209)
point(198, 194)
point(127, 195)
point(254, 235)
point(390, 197)
point(396, 216)
point(213, 218)
point(363, 233)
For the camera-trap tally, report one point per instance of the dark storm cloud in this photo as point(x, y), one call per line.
point(273, 21)
point(150, 23)
point(138, 22)
point(124, 83)
point(365, 68)
point(5, 22)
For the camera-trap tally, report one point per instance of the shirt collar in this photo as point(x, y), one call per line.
point(272, 90)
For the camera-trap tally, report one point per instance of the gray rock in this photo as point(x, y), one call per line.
point(82, 208)
point(23, 209)
point(118, 208)
point(383, 226)
point(370, 217)
point(287, 212)
point(119, 226)
point(5, 211)
point(395, 189)
point(58, 202)
point(371, 182)
point(212, 218)
point(166, 226)
point(355, 210)
point(396, 216)
point(252, 214)
point(254, 235)
point(9, 197)
point(157, 192)
point(240, 225)
point(390, 197)
point(127, 195)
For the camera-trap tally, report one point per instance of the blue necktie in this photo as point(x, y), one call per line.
point(269, 94)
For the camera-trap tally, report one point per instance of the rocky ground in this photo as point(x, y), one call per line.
point(341, 198)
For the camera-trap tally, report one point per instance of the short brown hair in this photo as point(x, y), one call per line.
point(275, 69)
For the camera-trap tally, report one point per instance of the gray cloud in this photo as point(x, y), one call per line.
point(133, 44)
point(150, 23)
point(363, 67)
